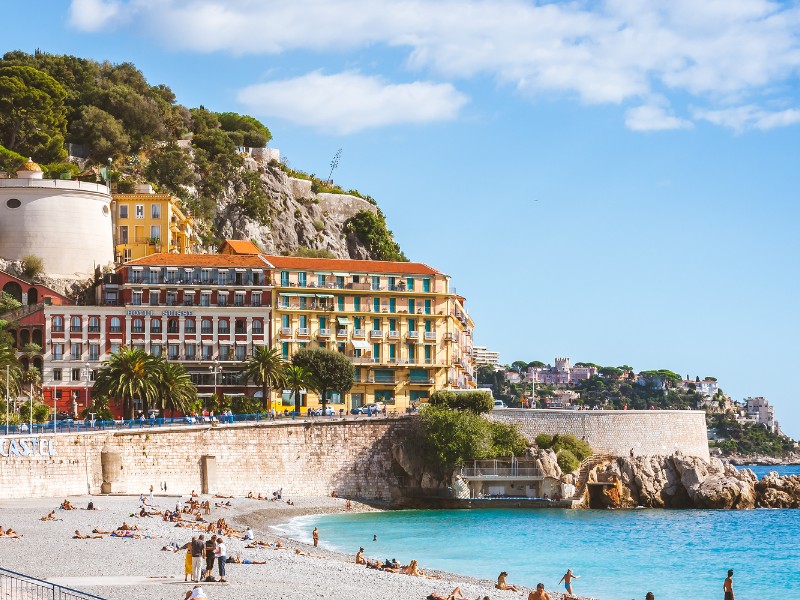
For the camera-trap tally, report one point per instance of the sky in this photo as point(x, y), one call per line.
point(614, 181)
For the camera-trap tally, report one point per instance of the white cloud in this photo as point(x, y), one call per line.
point(715, 52)
point(745, 117)
point(349, 102)
point(94, 15)
point(651, 117)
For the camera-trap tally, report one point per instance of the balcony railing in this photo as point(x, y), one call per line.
point(413, 335)
point(430, 335)
point(360, 360)
point(359, 333)
point(324, 333)
point(383, 378)
point(421, 380)
point(394, 334)
point(303, 331)
point(501, 472)
point(341, 333)
point(286, 331)
point(376, 334)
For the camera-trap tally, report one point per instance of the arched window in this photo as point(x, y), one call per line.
point(13, 288)
point(155, 325)
point(188, 326)
point(172, 326)
point(205, 326)
point(58, 324)
point(257, 326)
point(75, 324)
point(223, 326)
point(116, 326)
point(138, 325)
point(240, 326)
point(33, 296)
point(94, 324)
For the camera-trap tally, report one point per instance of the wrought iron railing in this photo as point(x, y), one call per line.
point(16, 586)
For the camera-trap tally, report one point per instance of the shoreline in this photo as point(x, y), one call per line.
point(122, 568)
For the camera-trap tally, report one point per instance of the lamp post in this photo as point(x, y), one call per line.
point(55, 407)
point(215, 370)
point(7, 376)
point(88, 376)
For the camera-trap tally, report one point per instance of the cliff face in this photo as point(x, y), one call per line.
point(297, 217)
point(680, 481)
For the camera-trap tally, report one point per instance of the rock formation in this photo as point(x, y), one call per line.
point(680, 481)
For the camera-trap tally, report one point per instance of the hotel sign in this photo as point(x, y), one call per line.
point(164, 313)
point(26, 447)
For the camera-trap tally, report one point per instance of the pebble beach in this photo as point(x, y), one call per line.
point(124, 568)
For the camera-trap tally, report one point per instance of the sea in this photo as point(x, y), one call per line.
point(620, 555)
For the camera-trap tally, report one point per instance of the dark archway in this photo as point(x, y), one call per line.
point(13, 288)
point(37, 363)
point(24, 362)
point(24, 337)
point(36, 337)
point(33, 295)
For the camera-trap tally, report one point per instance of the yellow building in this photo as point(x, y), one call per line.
point(146, 223)
point(399, 323)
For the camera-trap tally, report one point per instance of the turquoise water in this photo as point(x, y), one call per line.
point(620, 555)
point(761, 470)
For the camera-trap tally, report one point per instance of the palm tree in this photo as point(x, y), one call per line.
point(297, 378)
point(8, 358)
point(129, 374)
point(265, 368)
point(176, 392)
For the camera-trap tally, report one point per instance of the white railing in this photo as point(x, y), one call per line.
point(302, 331)
point(430, 335)
point(359, 333)
point(376, 333)
point(324, 332)
point(413, 335)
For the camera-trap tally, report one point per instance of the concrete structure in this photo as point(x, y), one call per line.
point(29, 293)
point(706, 387)
point(561, 374)
point(147, 223)
point(760, 411)
point(399, 323)
point(65, 223)
point(616, 432)
point(481, 355)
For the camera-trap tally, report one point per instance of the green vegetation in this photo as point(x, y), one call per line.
point(569, 449)
point(32, 266)
point(10, 161)
point(328, 370)
point(478, 402)
point(313, 252)
point(449, 438)
point(747, 438)
point(371, 230)
point(266, 368)
point(297, 378)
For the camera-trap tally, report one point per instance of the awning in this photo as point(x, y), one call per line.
point(343, 320)
point(155, 268)
point(322, 272)
point(361, 345)
point(286, 295)
point(341, 274)
point(172, 268)
point(324, 295)
point(305, 295)
point(137, 268)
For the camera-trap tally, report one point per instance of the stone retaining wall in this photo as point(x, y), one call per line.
point(353, 458)
point(615, 432)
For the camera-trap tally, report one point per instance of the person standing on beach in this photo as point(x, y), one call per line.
point(727, 586)
point(221, 553)
point(211, 545)
point(315, 535)
point(567, 579)
point(198, 546)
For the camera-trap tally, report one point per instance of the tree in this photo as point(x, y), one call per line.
point(176, 392)
point(32, 115)
point(520, 366)
point(129, 374)
point(266, 368)
point(103, 135)
point(536, 364)
point(370, 229)
point(612, 373)
point(254, 133)
point(8, 358)
point(169, 167)
point(330, 371)
point(297, 378)
point(478, 401)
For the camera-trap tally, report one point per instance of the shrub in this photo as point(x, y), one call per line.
point(477, 402)
point(313, 252)
point(507, 440)
point(32, 266)
point(577, 449)
point(10, 161)
point(567, 461)
point(318, 225)
point(544, 440)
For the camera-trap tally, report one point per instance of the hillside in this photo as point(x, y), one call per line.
point(78, 116)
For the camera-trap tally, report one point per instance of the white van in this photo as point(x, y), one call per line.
point(499, 404)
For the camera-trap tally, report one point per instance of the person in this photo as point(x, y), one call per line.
point(412, 569)
point(91, 506)
point(567, 579)
point(649, 596)
point(198, 546)
point(152, 500)
point(248, 534)
point(244, 561)
point(539, 594)
point(360, 557)
point(82, 536)
point(503, 585)
point(221, 552)
point(375, 538)
point(210, 548)
point(315, 535)
point(727, 586)
point(195, 592)
point(456, 594)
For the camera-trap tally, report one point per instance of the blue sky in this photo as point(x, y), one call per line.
point(613, 181)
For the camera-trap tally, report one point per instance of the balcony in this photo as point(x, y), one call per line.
point(449, 337)
point(304, 331)
point(393, 335)
point(360, 360)
point(357, 286)
point(359, 333)
point(383, 378)
point(413, 335)
point(286, 331)
point(425, 380)
point(341, 333)
point(324, 333)
point(376, 334)
point(430, 335)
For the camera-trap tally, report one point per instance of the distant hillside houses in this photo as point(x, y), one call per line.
point(759, 410)
point(560, 374)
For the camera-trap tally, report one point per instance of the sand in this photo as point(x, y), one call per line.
point(116, 568)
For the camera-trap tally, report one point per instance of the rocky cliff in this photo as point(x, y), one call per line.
point(680, 481)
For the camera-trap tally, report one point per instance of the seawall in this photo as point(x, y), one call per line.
point(352, 458)
point(615, 432)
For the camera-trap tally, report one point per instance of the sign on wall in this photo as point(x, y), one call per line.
point(26, 447)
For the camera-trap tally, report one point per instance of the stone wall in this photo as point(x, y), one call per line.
point(353, 458)
point(615, 432)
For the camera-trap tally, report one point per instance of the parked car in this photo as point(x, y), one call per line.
point(317, 412)
point(376, 408)
point(499, 404)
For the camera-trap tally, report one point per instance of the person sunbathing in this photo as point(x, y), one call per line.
point(96, 530)
point(67, 505)
point(456, 594)
point(82, 536)
point(2, 532)
point(503, 585)
point(250, 495)
point(246, 561)
point(412, 569)
point(51, 516)
point(11, 533)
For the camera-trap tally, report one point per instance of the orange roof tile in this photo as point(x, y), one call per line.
point(240, 247)
point(347, 265)
point(168, 259)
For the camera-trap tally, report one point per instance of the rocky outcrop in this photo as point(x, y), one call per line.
point(72, 287)
point(680, 481)
point(297, 217)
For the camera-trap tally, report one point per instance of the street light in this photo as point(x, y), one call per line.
point(7, 375)
point(215, 369)
point(88, 376)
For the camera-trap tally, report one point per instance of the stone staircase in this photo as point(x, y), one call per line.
point(583, 475)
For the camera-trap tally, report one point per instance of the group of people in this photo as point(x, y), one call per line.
point(201, 555)
point(391, 566)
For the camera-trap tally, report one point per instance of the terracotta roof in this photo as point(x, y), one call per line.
point(347, 265)
point(240, 247)
point(167, 259)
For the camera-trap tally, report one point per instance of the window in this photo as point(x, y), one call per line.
point(189, 326)
point(94, 325)
point(155, 276)
point(153, 299)
point(75, 324)
point(94, 352)
point(392, 283)
point(412, 305)
point(240, 326)
point(58, 324)
point(205, 299)
point(114, 347)
point(155, 349)
point(427, 307)
point(376, 282)
point(127, 254)
point(285, 278)
point(222, 277)
point(58, 351)
point(139, 211)
point(241, 352)
point(357, 303)
point(172, 326)
point(208, 351)
point(320, 280)
point(376, 305)
point(57, 375)
point(222, 299)
point(285, 350)
point(115, 325)
point(137, 326)
point(392, 324)
point(255, 299)
point(190, 351)
point(123, 234)
point(123, 211)
point(426, 285)
point(303, 303)
point(428, 325)
point(205, 326)
point(323, 322)
point(155, 211)
point(257, 326)
point(301, 279)
point(410, 284)
point(412, 353)
point(173, 351)
point(224, 352)
point(188, 298)
point(256, 278)
point(412, 325)
point(136, 299)
point(376, 352)
point(172, 298)
point(392, 305)
point(135, 276)
point(285, 321)
point(76, 375)
point(223, 326)
point(340, 303)
point(76, 349)
point(238, 300)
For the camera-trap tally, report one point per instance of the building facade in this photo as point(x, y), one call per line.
point(148, 223)
point(481, 355)
point(561, 374)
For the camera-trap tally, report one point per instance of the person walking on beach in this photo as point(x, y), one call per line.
point(727, 586)
point(315, 535)
point(567, 579)
point(221, 553)
point(198, 548)
point(539, 594)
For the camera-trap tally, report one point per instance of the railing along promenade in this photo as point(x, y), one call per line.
point(16, 586)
